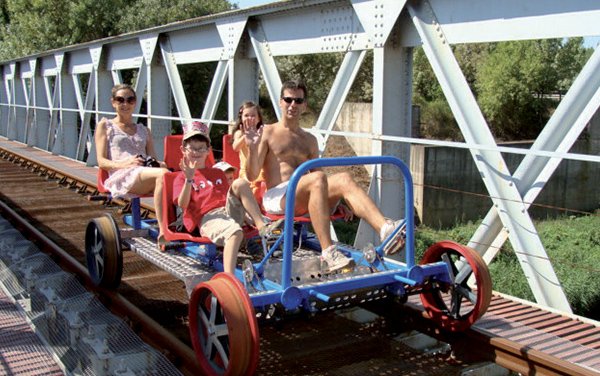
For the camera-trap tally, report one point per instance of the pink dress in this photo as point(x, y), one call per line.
point(122, 146)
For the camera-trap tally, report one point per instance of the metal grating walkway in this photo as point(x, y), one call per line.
point(21, 350)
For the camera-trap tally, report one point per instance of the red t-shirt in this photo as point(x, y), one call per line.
point(208, 192)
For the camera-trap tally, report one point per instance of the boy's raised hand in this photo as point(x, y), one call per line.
point(188, 167)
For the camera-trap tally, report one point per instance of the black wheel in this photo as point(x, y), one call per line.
point(103, 252)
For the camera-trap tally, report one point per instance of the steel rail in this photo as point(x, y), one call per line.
point(84, 184)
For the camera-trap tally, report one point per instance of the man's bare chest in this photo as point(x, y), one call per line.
point(293, 150)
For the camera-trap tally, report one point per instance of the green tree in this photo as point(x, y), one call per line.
point(142, 14)
point(516, 82)
point(569, 61)
point(33, 26)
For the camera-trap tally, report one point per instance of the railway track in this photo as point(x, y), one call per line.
point(54, 205)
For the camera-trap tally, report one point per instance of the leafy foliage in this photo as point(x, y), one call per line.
point(142, 14)
point(512, 81)
point(33, 26)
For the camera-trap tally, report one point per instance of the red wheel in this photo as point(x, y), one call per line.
point(223, 327)
point(457, 305)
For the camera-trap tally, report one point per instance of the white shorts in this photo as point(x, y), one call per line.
point(272, 198)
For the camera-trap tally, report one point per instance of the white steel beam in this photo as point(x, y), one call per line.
point(11, 130)
point(216, 91)
point(20, 100)
point(243, 84)
point(41, 116)
point(55, 102)
point(4, 108)
point(67, 135)
point(267, 65)
point(497, 178)
point(196, 45)
point(339, 91)
point(174, 79)
point(27, 85)
point(86, 106)
point(392, 92)
point(496, 21)
point(48, 101)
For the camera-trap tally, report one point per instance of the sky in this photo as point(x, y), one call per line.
point(251, 3)
point(588, 42)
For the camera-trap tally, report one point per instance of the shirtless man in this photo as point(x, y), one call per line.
point(282, 147)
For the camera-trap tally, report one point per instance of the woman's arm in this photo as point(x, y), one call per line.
point(100, 138)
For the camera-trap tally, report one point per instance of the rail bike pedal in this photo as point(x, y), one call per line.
point(396, 243)
point(171, 246)
point(345, 270)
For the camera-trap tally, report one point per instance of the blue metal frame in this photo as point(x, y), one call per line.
point(391, 275)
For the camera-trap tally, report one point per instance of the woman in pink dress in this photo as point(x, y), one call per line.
point(122, 147)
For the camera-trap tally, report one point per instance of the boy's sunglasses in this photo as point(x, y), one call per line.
point(289, 100)
point(129, 100)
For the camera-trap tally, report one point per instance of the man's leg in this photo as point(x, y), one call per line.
point(312, 197)
point(342, 185)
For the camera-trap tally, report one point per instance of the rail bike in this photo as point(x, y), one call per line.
point(286, 274)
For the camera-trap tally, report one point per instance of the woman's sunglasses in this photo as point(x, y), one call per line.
point(129, 100)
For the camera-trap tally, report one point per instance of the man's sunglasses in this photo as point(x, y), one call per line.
point(129, 100)
point(289, 100)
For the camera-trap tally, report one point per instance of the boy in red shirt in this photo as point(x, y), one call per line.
point(209, 203)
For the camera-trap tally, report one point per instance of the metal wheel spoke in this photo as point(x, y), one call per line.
point(99, 260)
point(214, 303)
point(455, 304)
point(203, 318)
point(221, 330)
point(210, 339)
point(467, 293)
point(464, 273)
point(222, 352)
point(446, 258)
